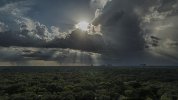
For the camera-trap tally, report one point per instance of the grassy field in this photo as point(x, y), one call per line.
point(88, 83)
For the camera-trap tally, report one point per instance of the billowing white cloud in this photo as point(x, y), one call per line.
point(98, 6)
point(56, 32)
point(98, 12)
point(16, 20)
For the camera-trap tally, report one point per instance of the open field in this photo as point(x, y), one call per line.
point(88, 83)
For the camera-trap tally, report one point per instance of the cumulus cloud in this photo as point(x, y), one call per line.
point(56, 32)
point(24, 31)
point(13, 13)
point(14, 22)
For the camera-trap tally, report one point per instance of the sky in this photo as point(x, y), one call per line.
point(121, 32)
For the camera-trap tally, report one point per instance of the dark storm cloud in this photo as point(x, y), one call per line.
point(80, 40)
point(120, 25)
point(160, 21)
point(18, 39)
point(3, 27)
point(131, 25)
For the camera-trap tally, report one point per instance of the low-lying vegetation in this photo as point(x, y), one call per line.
point(91, 84)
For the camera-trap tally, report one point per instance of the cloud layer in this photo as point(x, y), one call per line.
point(18, 29)
point(141, 25)
point(127, 27)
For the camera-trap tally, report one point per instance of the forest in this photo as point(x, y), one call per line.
point(88, 83)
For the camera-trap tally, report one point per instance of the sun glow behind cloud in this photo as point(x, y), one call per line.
point(83, 25)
